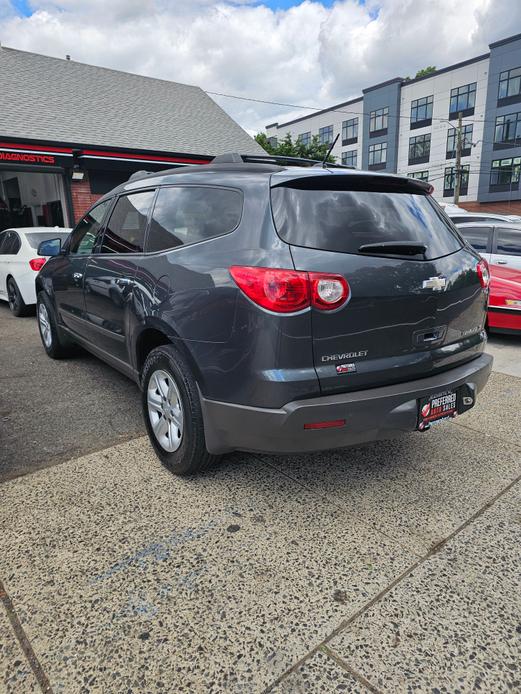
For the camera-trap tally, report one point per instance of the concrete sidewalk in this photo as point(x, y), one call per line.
point(388, 568)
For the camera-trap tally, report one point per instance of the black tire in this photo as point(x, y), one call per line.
point(191, 456)
point(60, 346)
point(16, 303)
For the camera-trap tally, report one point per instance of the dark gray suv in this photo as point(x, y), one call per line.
point(266, 306)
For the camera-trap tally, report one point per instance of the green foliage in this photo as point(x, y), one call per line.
point(426, 71)
point(289, 148)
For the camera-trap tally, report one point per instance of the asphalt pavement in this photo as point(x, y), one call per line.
point(51, 411)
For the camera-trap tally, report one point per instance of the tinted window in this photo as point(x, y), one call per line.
point(11, 244)
point(508, 241)
point(84, 235)
point(345, 219)
point(184, 215)
point(478, 237)
point(125, 231)
point(3, 241)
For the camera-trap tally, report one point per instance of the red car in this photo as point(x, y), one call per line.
point(504, 308)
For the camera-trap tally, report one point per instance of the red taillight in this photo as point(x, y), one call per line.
point(282, 291)
point(288, 291)
point(483, 273)
point(37, 263)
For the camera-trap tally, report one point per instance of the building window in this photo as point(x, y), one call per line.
point(378, 121)
point(510, 84)
point(272, 141)
point(378, 154)
point(420, 175)
point(466, 141)
point(419, 149)
point(508, 130)
point(505, 172)
point(304, 139)
point(449, 180)
point(421, 112)
point(325, 135)
point(462, 99)
point(350, 131)
point(350, 158)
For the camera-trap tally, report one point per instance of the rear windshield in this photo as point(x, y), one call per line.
point(34, 240)
point(344, 219)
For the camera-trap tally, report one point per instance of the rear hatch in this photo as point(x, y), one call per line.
point(416, 304)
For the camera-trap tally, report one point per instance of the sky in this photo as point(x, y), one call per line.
point(300, 52)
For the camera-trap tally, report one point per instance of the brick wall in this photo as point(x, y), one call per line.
point(505, 207)
point(82, 198)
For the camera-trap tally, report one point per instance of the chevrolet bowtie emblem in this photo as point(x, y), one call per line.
point(435, 283)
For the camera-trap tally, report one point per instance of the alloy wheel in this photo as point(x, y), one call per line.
point(12, 296)
point(45, 325)
point(165, 410)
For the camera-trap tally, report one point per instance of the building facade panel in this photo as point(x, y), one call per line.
point(446, 91)
point(381, 125)
point(499, 179)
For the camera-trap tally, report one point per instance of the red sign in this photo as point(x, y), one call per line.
point(27, 158)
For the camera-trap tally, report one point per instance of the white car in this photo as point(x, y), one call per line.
point(498, 243)
point(20, 263)
point(462, 217)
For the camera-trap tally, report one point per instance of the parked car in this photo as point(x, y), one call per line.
point(504, 309)
point(271, 307)
point(19, 263)
point(462, 217)
point(501, 247)
point(499, 244)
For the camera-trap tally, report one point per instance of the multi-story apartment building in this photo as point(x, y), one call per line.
point(409, 126)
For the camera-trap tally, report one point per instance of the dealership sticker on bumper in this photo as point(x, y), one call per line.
point(446, 405)
point(437, 408)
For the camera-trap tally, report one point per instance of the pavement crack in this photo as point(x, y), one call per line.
point(354, 673)
point(24, 642)
point(379, 596)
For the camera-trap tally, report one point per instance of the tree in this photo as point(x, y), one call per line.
point(289, 148)
point(425, 71)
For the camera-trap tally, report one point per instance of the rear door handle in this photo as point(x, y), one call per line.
point(502, 262)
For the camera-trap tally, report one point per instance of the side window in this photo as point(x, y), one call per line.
point(508, 241)
point(15, 244)
point(83, 237)
point(478, 237)
point(11, 243)
point(125, 231)
point(3, 242)
point(184, 215)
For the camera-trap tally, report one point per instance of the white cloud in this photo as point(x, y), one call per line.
point(308, 54)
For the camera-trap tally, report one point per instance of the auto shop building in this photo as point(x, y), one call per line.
point(69, 132)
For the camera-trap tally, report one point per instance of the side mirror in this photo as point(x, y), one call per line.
point(50, 247)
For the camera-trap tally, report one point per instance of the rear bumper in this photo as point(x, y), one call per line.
point(370, 415)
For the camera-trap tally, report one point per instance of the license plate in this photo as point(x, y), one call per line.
point(437, 407)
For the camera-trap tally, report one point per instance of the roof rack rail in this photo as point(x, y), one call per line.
point(234, 158)
point(139, 174)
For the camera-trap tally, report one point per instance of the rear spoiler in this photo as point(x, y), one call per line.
point(351, 180)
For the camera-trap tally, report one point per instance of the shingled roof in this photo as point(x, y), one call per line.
point(45, 98)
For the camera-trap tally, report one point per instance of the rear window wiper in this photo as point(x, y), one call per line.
point(394, 248)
